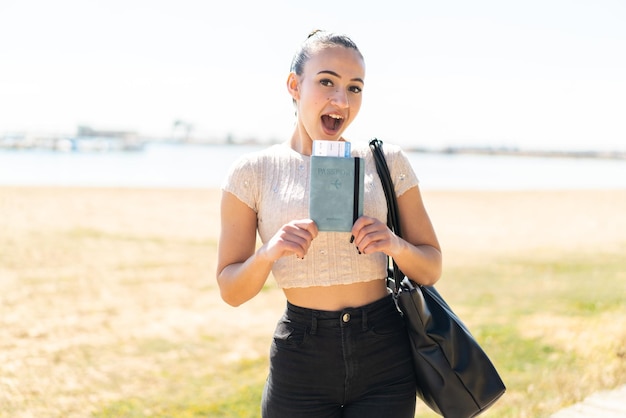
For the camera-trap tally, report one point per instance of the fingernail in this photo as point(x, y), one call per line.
point(357, 248)
point(351, 239)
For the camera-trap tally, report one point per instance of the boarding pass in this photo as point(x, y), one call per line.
point(323, 148)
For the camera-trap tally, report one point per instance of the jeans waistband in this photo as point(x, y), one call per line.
point(345, 317)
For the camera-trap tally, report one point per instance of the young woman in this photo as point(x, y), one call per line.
point(340, 349)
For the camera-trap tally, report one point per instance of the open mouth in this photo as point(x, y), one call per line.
point(332, 123)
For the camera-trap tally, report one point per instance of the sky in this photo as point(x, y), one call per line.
point(533, 74)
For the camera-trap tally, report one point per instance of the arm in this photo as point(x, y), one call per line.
point(240, 276)
point(242, 271)
point(418, 254)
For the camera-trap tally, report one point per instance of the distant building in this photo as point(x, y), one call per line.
point(88, 131)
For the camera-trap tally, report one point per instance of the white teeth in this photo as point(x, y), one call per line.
point(336, 116)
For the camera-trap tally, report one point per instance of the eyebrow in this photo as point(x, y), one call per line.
point(360, 80)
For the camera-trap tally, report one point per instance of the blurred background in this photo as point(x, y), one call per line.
point(531, 75)
point(456, 80)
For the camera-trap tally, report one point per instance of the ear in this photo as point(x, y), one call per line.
point(292, 86)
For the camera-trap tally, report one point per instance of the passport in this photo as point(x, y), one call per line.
point(336, 192)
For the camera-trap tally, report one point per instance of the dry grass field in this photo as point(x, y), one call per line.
point(109, 307)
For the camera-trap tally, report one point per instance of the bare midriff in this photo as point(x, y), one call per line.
point(336, 298)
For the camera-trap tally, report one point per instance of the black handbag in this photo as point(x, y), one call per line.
point(455, 377)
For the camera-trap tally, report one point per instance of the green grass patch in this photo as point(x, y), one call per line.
point(243, 404)
point(96, 234)
point(571, 285)
point(543, 322)
point(233, 391)
point(535, 319)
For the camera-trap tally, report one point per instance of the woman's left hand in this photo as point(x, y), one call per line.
point(371, 235)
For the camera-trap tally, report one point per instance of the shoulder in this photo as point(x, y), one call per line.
point(246, 173)
point(253, 166)
point(400, 168)
point(259, 156)
point(261, 159)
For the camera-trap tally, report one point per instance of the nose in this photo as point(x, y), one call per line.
point(340, 99)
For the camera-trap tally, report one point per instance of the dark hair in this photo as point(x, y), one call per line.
point(319, 39)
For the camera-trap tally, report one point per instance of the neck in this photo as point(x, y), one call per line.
point(300, 145)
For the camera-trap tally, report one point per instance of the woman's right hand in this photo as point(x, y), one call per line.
point(242, 269)
point(292, 238)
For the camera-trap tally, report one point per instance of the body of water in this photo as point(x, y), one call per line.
point(204, 166)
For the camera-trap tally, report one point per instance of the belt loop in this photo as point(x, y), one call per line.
point(364, 319)
point(314, 316)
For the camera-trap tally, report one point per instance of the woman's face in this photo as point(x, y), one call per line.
point(328, 94)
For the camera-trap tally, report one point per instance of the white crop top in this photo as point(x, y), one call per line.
point(274, 183)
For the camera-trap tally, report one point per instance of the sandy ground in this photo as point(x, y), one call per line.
point(479, 225)
point(469, 224)
point(104, 267)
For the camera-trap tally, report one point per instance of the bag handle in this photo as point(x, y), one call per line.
point(393, 221)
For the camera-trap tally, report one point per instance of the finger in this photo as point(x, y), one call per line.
point(299, 235)
point(300, 247)
point(364, 226)
point(363, 221)
point(373, 237)
point(308, 225)
point(358, 226)
point(288, 244)
point(373, 243)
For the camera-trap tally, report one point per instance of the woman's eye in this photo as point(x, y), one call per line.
point(356, 89)
point(326, 82)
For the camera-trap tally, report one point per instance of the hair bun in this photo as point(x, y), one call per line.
point(314, 32)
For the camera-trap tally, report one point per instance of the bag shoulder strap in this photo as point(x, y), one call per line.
point(393, 220)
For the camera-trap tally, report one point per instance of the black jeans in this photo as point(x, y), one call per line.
point(350, 363)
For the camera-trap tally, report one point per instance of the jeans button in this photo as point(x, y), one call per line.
point(346, 317)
